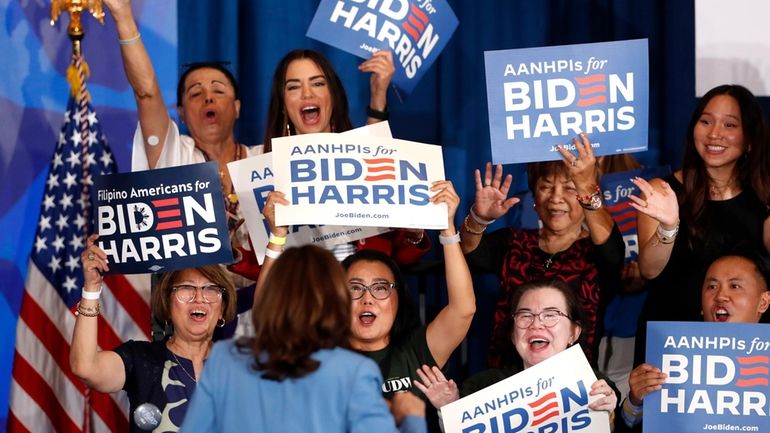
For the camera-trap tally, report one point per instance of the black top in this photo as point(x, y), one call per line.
point(675, 294)
point(155, 375)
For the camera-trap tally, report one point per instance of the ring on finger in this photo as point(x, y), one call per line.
point(90, 257)
point(574, 162)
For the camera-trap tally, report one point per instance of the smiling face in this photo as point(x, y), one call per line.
point(372, 319)
point(556, 203)
point(733, 291)
point(195, 320)
point(718, 134)
point(307, 99)
point(208, 106)
point(537, 342)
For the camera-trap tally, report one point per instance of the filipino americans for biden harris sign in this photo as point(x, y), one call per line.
point(356, 180)
point(549, 397)
point(416, 31)
point(163, 219)
point(541, 97)
point(717, 377)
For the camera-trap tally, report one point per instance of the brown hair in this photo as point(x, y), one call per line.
point(277, 119)
point(539, 170)
point(303, 306)
point(162, 297)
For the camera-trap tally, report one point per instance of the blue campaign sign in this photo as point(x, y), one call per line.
point(616, 187)
point(161, 220)
point(717, 377)
point(415, 31)
point(541, 97)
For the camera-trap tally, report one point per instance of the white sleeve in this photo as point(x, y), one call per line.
point(177, 150)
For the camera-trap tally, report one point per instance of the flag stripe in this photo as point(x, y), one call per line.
point(135, 304)
point(37, 388)
point(58, 348)
point(24, 414)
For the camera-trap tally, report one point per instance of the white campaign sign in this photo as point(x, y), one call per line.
point(253, 180)
point(358, 180)
point(551, 396)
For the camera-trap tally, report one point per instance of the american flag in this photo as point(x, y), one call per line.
point(45, 395)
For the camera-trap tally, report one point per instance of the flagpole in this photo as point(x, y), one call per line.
point(77, 74)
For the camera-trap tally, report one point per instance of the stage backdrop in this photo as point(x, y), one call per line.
point(448, 107)
point(33, 98)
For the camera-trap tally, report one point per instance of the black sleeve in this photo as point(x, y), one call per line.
point(610, 257)
point(490, 253)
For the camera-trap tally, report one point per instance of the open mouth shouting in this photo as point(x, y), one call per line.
point(310, 114)
point(721, 314)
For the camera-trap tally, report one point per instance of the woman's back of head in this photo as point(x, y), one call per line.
point(303, 306)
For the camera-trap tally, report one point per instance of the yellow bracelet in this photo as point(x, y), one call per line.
point(277, 240)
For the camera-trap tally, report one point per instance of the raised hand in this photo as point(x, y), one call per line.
point(491, 200)
point(446, 194)
point(273, 198)
point(583, 169)
point(436, 387)
point(94, 262)
point(382, 69)
point(658, 203)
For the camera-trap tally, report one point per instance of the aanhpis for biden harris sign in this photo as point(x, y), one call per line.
point(416, 31)
point(542, 97)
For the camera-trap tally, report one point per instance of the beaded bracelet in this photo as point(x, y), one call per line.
point(468, 228)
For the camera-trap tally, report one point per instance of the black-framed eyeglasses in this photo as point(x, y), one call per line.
point(379, 290)
point(185, 293)
point(524, 318)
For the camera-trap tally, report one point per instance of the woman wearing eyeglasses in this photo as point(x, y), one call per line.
point(545, 318)
point(385, 325)
point(163, 374)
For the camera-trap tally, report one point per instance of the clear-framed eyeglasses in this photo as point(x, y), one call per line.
point(186, 293)
point(524, 318)
point(379, 290)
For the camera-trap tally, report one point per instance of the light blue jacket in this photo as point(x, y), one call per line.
point(343, 395)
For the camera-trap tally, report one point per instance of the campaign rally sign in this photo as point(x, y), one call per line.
point(542, 97)
point(415, 31)
point(616, 188)
point(357, 180)
point(717, 377)
point(551, 396)
point(162, 219)
point(253, 180)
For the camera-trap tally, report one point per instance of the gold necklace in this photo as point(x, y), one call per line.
point(179, 363)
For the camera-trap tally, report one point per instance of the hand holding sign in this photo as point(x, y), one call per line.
point(491, 202)
point(608, 400)
point(643, 380)
point(94, 261)
point(268, 211)
point(445, 193)
point(382, 69)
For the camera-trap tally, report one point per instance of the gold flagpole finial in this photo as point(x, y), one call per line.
point(75, 9)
